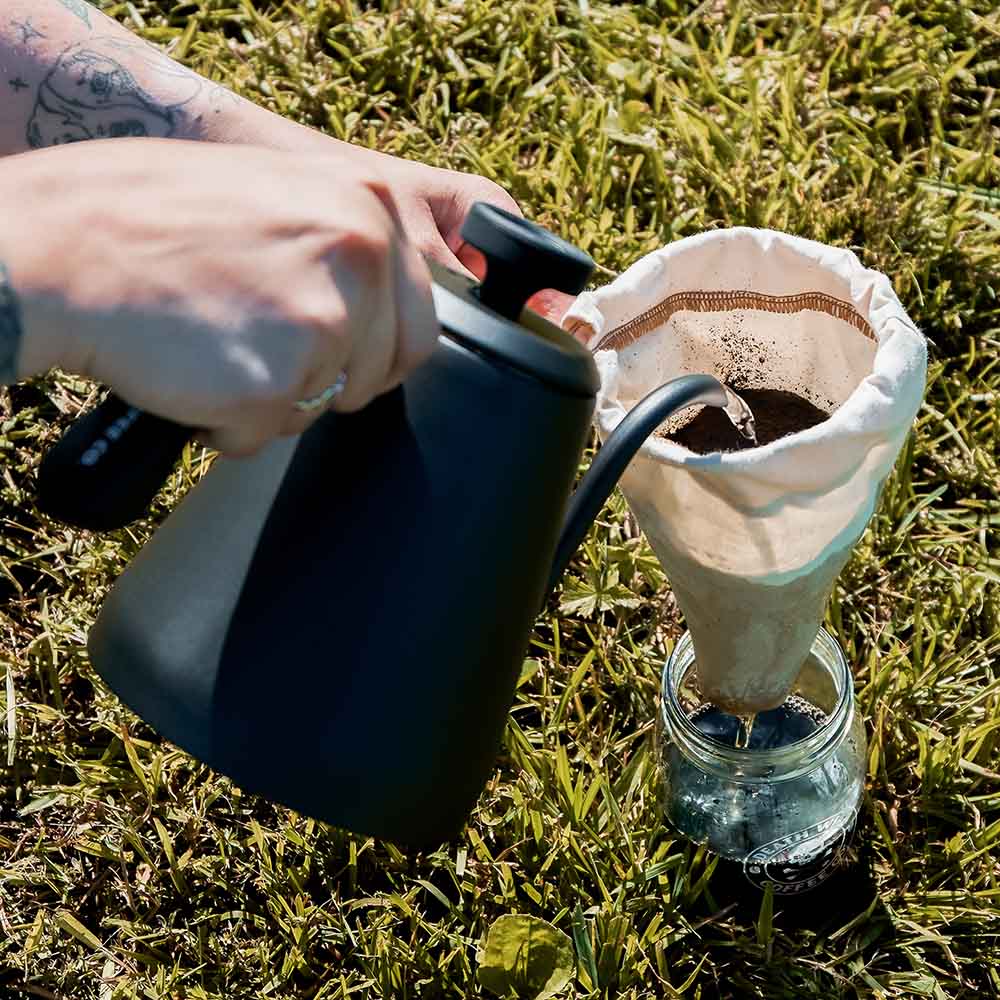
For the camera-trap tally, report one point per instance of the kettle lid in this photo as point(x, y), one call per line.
point(522, 258)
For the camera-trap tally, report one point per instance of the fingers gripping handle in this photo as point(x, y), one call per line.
point(521, 258)
point(108, 466)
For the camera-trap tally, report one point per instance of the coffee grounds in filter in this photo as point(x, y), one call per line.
point(777, 413)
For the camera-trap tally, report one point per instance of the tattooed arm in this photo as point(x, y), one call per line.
point(69, 73)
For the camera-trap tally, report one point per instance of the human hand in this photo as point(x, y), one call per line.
point(213, 285)
point(432, 202)
point(156, 96)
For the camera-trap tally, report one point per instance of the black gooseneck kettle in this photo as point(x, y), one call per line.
point(338, 623)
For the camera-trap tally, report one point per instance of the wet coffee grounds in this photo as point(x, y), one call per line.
point(777, 413)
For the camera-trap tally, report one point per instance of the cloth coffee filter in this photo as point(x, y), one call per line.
point(753, 540)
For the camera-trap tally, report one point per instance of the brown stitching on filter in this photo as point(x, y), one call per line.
point(727, 300)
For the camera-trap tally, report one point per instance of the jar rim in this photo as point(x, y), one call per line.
point(747, 764)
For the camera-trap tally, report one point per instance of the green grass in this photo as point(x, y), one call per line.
point(128, 870)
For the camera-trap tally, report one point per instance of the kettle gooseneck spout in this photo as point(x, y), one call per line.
point(620, 448)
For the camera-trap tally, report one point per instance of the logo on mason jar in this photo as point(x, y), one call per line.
point(802, 860)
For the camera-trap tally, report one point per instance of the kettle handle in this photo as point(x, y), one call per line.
point(521, 259)
point(109, 465)
point(620, 448)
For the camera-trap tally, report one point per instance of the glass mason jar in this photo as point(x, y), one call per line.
point(785, 808)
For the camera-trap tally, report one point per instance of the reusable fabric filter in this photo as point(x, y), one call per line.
point(753, 540)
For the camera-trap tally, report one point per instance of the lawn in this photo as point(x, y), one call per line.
point(128, 870)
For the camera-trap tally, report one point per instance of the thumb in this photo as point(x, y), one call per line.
point(427, 239)
point(468, 261)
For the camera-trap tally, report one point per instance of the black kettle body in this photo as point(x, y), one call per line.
point(338, 623)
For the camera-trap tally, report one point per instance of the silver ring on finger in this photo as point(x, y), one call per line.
point(323, 399)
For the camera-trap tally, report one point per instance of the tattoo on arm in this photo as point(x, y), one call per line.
point(90, 94)
point(28, 31)
point(10, 329)
point(80, 8)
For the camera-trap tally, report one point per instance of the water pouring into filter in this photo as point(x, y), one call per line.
point(754, 538)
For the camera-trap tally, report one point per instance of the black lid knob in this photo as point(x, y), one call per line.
point(521, 258)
